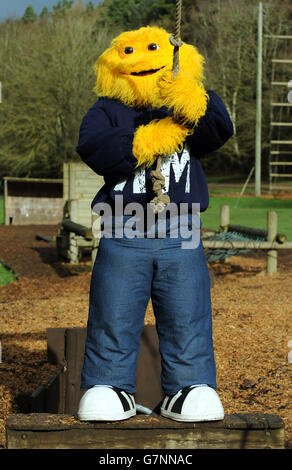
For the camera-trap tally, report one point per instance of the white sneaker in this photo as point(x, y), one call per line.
point(106, 403)
point(193, 403)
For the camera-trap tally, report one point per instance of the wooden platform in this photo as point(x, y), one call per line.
point(65, 347)
point(236, 431)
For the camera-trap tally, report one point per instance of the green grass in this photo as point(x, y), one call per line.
point(250, 212)
point(6, 275)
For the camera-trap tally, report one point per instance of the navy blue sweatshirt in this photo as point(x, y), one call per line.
point(105, 145)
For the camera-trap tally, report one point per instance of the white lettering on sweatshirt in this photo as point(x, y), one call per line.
point(178, 166)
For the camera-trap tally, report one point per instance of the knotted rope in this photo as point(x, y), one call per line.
point(161, 200)
point(175, 39)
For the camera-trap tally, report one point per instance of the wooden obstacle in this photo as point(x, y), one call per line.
point(65, 347)
point(272, 243)
point(236, 431)
point(48, 418)
point(75, 237)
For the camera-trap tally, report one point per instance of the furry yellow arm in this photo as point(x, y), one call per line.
point(187, 97)
point(159, 137)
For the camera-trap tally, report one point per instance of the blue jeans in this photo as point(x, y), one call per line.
point(126, 274)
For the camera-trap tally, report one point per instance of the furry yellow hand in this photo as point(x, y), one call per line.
point(159, 137)
point(187, 97)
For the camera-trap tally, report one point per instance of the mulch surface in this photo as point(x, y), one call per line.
point(251, 323)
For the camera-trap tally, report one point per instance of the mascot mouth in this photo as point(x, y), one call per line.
point(143, 73)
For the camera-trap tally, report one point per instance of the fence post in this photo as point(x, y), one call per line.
point(224, 222)
point(224, 217)
point(272, 229)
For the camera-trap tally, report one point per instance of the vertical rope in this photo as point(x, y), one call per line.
point(161, 200)
point(175, 39)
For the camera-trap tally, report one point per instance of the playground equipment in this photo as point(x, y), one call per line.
point(233, 240)
point(80, 185)
point(280, 116)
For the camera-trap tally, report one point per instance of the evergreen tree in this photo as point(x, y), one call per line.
point(136, 13)
point(62, 6)
point(45, 13)
point(89, 7)
point(30, 15)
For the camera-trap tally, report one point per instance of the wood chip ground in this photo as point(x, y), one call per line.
point(252, 325)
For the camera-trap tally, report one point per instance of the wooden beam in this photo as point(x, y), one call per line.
point(281, 152)
point(279, 84)
point(281, 142)
point(250, 245)
point(282, 61)
point(281, 124)
point(79, 229)
point(75, 345)
point(32, 180)
point(280, 186)
point(277, 36)
point(281, 104)
point(235, 431)
point(281, 175)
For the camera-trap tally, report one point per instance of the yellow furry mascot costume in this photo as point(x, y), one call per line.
point(143, 113)
point(137, 70)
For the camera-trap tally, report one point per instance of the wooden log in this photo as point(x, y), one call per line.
point(255, 232)
point(281, 238)
point(79, 229)
point(247, 230)
point(236, 431)
point(44, 238)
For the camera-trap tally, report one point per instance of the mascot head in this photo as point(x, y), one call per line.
point(130, 69)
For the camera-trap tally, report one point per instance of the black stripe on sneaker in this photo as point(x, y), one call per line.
point(168, 402)
point(132, 399)
point(178, 404)
point(124, 401)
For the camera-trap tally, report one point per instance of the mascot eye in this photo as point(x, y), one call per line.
point(153, 47)
point(129, 50)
